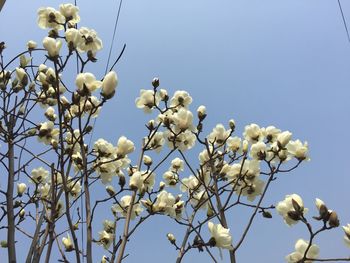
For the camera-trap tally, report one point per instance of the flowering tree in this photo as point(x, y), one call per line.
point(45, 183)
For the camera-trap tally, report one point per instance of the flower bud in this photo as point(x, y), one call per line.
point(3, 243)
point(67, 243)
point(161, 185)
point(52, 46)
point(245, 146)
point(147, 160)
point(284, 138)
point(21, 188)
point(232, 124)
point(155, 83)
point(109, 84)
point(201, 112)
point(22, 213)
point(110, 190)
point(31, 45)
point(333, 220)
point(171, 238)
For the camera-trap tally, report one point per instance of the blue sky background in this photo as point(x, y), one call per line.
point(283, 63)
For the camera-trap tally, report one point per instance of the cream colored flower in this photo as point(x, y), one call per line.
point(220, 235)
point(300, 248)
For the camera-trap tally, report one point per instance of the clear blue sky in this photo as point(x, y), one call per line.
point(284, 63)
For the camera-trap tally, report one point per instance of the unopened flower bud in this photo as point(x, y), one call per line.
point(109, 84)
point(201, 112)
point(155, 83)
point(3, 243)
point(21, 188)
point(171, 238)
point(232, 124)
point(333, 220)
point(110, 190)
point(147, 160)
point(31, 45)
point(22, 213)
point(245, 146)
point(161, 185)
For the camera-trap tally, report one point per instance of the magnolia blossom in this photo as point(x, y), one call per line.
point(300, 248)
point(167, 204)
point(136, 181)
point(183, 120)
point(189, 183)
point(202, 112)
point(106, 239)
point(219, 134)
point(21, 74)
point(47, 133)
point(70, 12)
point(156, 143)
point(73, 37)
point(39, 175)
point(221, 236)
point(252, 133)
point(347, 235)
point(103, 148)
point(271, 133)
point(181, 98)
point(123, 205)
point(234, 143)
point(177, 165)
point(298, 149)
point(86, 83)
point(284, 138)
point(287, 209)
point(170, 178)
point(21, 188)
point(52, 46)
point(50, 18)
point(109, 84)
point(258, 151)
point(31, 44)
point(147, 100)
point(124, 146)
point(67, 243)
point(91, 42)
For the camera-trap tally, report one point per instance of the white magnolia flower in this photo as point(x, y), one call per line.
point(189, 183)
point(300, 248)
point(147, 101)
point(123, 205)
point(44, 190)
point(124, 146)
point(253, 133)
point(50, 114)
point(156, 143)
point(21, 188)
point(298, 150)
point(181, 98)
point(31, 44)
point(347, 235)
point(234, 143)
point(183, 120)
point(87, 81)
point(258, 151)
point(218, 135)
point(177, 165)
point(47, 132)
point(106, 239)
point(201, 111)
point(271, 133)
point(91, 42)
point(287, 210)
point(39, 175)
point(73, 37)
point(67, 243)
point(284, 138)
point(109, 84)
point(20, 74)
point(220, 235)
point(170, 178)
point(136, 181)
point(70, 12)
point(103, 148)
point(50, 18)
point(52, 46)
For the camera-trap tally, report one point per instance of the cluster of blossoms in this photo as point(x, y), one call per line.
point(228, 164)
